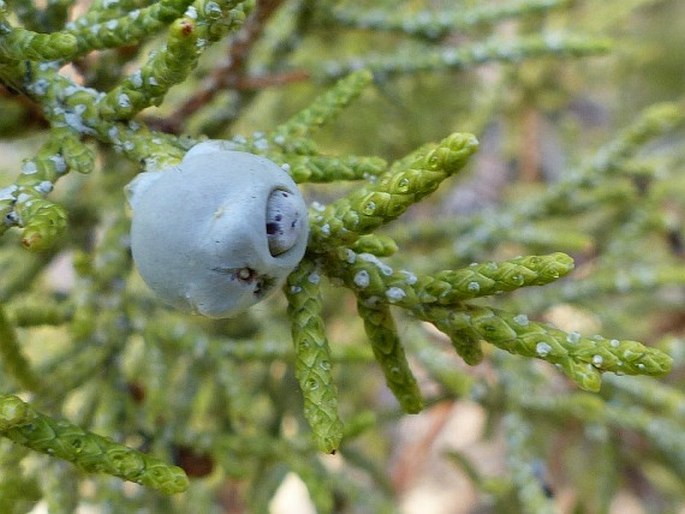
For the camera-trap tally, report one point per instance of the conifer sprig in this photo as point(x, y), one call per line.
point(366, 209)
point(313, 362)
point(212, 392)
point(92, 453)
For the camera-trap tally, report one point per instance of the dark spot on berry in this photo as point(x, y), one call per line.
point(265, 284)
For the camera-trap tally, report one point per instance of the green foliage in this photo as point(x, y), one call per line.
point(93, 453)
point(403, 278)
point(313, 364)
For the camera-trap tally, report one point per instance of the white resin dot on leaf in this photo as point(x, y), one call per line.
point(521, 320)
point(395, 294)
point(362, 279)
point(543, 349)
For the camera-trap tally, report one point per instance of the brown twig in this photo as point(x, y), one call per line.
point(232, 74)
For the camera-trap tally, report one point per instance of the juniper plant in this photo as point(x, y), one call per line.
point(155, 396)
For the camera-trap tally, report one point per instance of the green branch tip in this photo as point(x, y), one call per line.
point(582, 359)
point(326, 106)
point(14, 412)
point(415, 59)
point(149, 85)
point(313, 364)
point(368, 276)
point(382, 333)
point(90, 452)
point(364, 210)
point(47, 222)
point(436, 23)
point(450, 286)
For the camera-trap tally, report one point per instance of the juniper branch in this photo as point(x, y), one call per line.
point(313, 359)
point(149, 85)
point(366, 209)
point(387, 348)
point(20, 44)
point(94, 33)
point(93, 453)
point(368, 276)
point(312, 168)
point(582, 359)
point(495, 50)
point(437, 23)
point(24, 203)
point(325, 107)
